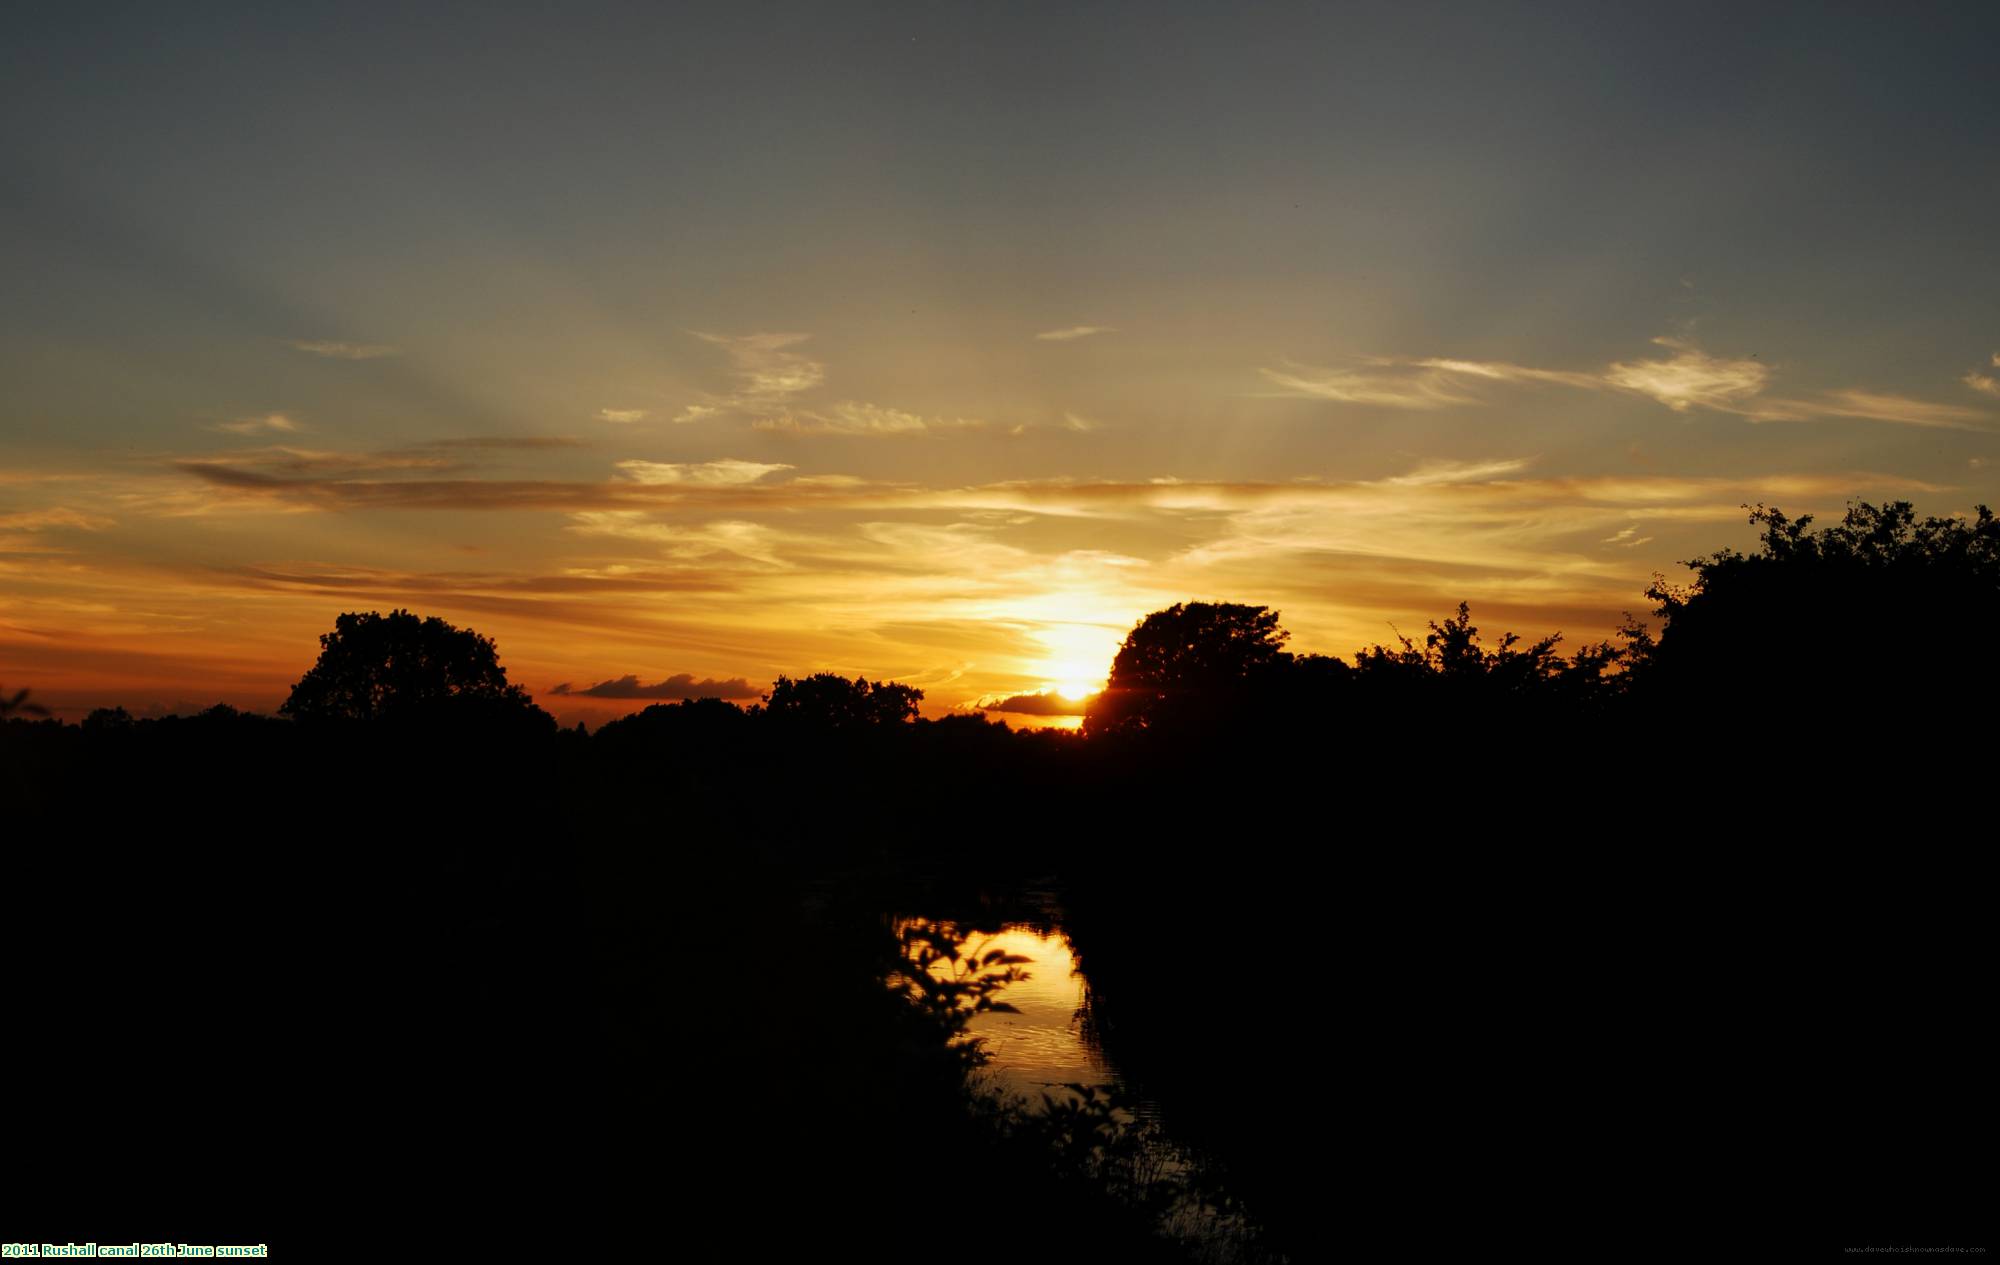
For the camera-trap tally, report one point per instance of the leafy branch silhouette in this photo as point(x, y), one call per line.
point(950, 983)
point(19, 703)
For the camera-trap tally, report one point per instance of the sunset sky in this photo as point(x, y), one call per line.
point(679, 346)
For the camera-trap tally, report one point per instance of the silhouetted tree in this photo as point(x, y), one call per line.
point(375, 667)
point(1884, 615)
point(108, 720)
point(828, 700)
point(1186, 663)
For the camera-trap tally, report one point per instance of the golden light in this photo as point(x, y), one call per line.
point(1079, 656)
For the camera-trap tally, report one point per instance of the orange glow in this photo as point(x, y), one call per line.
point(191, 583)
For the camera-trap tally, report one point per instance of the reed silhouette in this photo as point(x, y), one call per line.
point(1662, 939)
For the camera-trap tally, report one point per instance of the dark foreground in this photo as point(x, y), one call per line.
point(263, 975)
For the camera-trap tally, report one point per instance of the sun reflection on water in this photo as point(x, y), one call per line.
point(1042, 1045)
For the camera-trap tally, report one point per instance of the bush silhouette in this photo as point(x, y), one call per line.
point(1453, 669)
point(1848, 622)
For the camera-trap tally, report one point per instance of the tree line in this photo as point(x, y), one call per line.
point(1874, 625)
point(1880, 610)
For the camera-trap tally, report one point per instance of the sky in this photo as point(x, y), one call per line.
point(679, 347)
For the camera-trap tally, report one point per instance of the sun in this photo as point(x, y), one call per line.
point(1076, 654)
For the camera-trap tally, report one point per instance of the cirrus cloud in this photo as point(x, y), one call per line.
point(270, 423)
point(1684, 380)
point(855, 417)
point(725, 473)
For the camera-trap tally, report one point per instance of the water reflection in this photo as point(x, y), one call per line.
point(1066, 1102)
point(1040, 1046)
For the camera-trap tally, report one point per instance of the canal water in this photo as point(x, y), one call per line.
point(1043, 1047)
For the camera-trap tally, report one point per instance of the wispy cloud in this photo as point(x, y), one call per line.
point(771, 378)
point(622, 416)
point(1432, 382)
point(1902, 409)
point(1459, 472)
point(1691, 377)
point(852, 417)
point(753, 542)
point(346, 351)
point(1985, 382)
point(768, 377)
point(1627, 538)
point(1685, 379)
point(681, 686)
point(1499, 371)
point(24, 531)
point(766, 371)
point(270, 423)
point(1073, 332)
point(1391, 387)
point(55, 516)
point(725, 473)
point(855, 417)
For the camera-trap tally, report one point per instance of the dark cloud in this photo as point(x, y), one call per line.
point(674, 687)
point(306, 475)
point(460, 494)
point(329, 481)
point(1043, 704)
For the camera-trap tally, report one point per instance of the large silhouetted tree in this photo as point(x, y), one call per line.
point(375, 667)
point(1187, 664)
